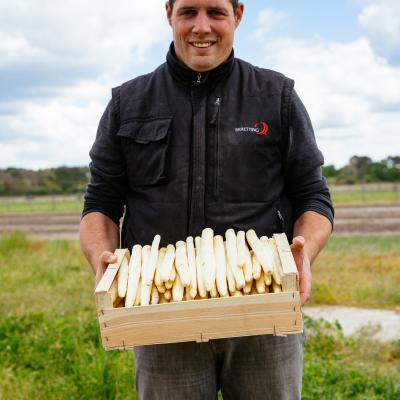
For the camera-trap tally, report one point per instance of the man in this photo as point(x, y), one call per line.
point(208, 140)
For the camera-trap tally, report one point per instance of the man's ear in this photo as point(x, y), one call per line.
point(168, 9)
point(239, 14)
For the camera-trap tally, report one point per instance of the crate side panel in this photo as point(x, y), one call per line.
point(200, 329)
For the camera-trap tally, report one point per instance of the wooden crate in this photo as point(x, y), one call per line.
point(199, 320)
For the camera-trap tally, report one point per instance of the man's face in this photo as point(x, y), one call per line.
point(203, 31)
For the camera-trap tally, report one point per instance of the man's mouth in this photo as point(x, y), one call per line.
point(202, 45)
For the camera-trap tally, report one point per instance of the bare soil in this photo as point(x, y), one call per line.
point(356, 219)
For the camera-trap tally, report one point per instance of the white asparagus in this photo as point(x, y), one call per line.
point(214, 291)
point(145, 290)
point(191, 256)
point(167, 263)
point(173, 274)
point(135, 267)
point(241, 250)
point(248, 265)
point(268, 247)
point(231, 253)
point(169, 284)
point(260, 284)
point(177, 289)
point(220, 264)
point(256, 267)
point(155, 297)
point(160, 258)
point(208, 258)
point(278, 271)
point(264, 256)
point(138, 294)
point(187, 294)
point(152, 264)
point(199, 269)
point(181, 263)
point(122, 277)
point(247, 287)
point(168, 295)
point(275, 287)
point(267, 279)
point(238, 293)
point(229, 276)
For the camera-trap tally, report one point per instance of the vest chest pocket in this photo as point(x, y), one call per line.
point(144, 144)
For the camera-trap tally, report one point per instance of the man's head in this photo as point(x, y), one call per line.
point(203, 30)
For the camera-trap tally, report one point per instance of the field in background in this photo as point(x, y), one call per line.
point(366, 193)
point(346, 194)
point(41, 203)
point(49, 342)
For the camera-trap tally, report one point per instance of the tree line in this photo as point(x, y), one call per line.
point(362, 169)
point(26, 182)
point(73, 180)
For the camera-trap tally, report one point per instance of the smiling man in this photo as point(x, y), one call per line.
point(208, 140)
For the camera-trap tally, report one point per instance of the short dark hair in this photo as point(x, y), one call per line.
point(235, 3)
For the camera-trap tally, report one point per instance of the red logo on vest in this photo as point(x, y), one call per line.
point(262, 128)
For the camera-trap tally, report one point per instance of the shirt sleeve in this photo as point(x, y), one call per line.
point(106, 191)
point(304, 184)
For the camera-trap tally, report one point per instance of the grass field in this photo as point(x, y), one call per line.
point(40, 204)
point(365, 197)
point(75, 202)
point(50, 348)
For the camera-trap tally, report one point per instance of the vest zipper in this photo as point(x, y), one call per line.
point(214, 122)
point(198, 78)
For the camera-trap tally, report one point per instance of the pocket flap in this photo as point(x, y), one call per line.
point(145, 131)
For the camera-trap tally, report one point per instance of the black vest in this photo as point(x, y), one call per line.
point(204, 151)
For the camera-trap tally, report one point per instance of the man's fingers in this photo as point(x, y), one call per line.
point(107, 257)
point(298, 243)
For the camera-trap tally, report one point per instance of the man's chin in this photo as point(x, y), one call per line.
point(202, 64)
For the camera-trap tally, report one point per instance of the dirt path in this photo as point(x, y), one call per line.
point(353, 319)
point(350, 220)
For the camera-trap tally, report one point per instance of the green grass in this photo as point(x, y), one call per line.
point(75, 203)
point(361, 271)
point(42, 204)
point(50, 346)
point(365, 197)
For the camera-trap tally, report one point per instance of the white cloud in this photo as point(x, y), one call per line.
point(53, 132)
point(93, 36)
point(351, 93)
point(270, 20)
point(58, 61)
point(380, 23)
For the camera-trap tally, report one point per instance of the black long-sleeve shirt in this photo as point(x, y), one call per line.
point(231, 148)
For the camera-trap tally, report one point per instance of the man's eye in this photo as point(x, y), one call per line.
point(216, 13)
point(189, 12)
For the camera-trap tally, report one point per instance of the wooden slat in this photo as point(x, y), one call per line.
point(201, 320)
point(200, 329)
point(290, 281)
point(106, 290)
point(219, 307)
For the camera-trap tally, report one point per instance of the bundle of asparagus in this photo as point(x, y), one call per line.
point(199, 268)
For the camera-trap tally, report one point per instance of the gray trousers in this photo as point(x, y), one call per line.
point(247, 368)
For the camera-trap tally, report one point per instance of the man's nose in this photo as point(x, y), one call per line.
point(202, 24)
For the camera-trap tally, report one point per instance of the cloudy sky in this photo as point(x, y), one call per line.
point(59, 59)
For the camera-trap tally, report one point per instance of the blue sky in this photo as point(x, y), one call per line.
point(59, 60)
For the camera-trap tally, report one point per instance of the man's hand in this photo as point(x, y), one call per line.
point(303, 266)
point(106, 257)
